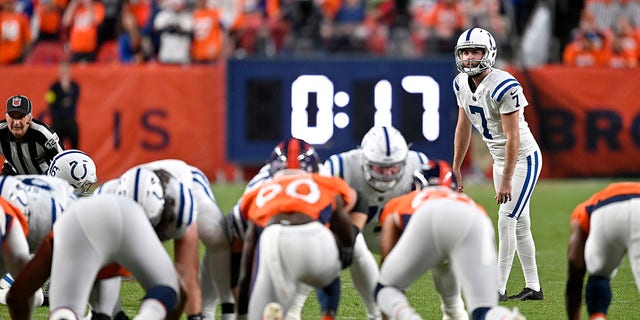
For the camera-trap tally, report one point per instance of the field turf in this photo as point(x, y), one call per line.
point(552, 203)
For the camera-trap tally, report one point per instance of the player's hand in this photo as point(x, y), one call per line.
point(458, 176)
point(503, 194)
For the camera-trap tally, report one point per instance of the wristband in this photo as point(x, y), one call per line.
point(195, 317)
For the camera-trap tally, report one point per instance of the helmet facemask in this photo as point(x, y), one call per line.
point(383, 176)
point(384, 157)
point(475, 38)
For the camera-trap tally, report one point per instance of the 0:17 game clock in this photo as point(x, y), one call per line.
point(332, 103)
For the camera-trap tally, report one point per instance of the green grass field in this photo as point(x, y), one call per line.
point(552, 203)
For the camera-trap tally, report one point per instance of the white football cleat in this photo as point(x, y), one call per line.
point(502, 313)
point(272, 311)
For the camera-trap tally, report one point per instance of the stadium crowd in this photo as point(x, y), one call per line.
point(204, 31)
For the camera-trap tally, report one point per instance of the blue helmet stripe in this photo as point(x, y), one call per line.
point(386, 139)
point(469, 34)
point(136, 185)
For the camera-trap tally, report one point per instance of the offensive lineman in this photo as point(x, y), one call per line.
point(94, 232)
point(430, 225)
point(492, 101)
point(381, 169)
point(211, 229)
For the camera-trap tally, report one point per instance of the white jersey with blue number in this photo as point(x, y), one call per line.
point(498, 93)
point(349, 166)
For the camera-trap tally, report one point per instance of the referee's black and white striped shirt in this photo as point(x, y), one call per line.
point(33, 153)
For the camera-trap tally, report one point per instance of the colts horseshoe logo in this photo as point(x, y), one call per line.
point(74, 166)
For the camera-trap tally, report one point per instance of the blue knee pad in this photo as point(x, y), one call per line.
point(165, 294)
point(598, 294)
point(329, 296)
point(479, 313)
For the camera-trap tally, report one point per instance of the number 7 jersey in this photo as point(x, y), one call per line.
point(498, 93)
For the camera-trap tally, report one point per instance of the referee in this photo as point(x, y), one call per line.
point(28, 145)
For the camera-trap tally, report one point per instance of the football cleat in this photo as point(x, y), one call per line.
point(502, 313)
point(272, 311)
point(528, 294)
point(502, 296)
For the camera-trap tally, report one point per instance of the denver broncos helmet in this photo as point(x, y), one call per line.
point(434, 173)
point(294, 153)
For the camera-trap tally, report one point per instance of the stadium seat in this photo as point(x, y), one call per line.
point(46, 52)
point(108, 52)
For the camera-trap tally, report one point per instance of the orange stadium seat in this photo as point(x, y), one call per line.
point(47, 52)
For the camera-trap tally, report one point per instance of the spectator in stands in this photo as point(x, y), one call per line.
point(618, 55)
point(15, 34)
point(49, 17)
point(444, 21)
point(486, 14)
point(348, 32)
point(134, 46)
point(209, 35)
point(304, 19)
point(108, 29)
point(62, 98)
point(174, 26)
point(83, 18)
point(585, 50)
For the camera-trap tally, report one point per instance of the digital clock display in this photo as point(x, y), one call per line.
point(332, 103)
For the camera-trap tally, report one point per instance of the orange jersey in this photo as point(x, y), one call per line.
point(84, 32)
point(50, 15)
point(207, 36)
point(112, 270)
point(15, 35)
point(401, 208)
point(310, 194)
point(612, 193)
point(13, 214)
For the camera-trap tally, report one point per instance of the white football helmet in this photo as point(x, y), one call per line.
point(144, 187)
point(76, 167)
point(476, 38)
point(179, 209)
point(385, 154)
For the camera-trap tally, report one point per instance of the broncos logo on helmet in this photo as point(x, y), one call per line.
point(294, 154)
point(434, 173)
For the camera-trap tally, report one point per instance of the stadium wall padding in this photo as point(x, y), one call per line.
point(587, 120)
point(135, 114)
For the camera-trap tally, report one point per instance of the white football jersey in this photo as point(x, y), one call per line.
point(498, 93)
point(41, 198)
point(349, 166)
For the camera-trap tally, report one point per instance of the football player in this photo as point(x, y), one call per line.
point(93, 233)
point(492, 101)
point(237, 225)
point(15, 249)
point(300, 214)
point(432, 225)
point(215, 274)
point(42, 199)
point(381, 169)
point(603, 229)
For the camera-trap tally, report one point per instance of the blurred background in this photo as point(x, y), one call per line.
point(218, 83)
